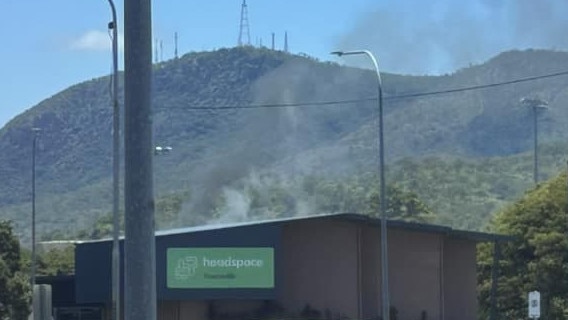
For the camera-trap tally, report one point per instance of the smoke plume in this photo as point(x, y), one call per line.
point(440, 36)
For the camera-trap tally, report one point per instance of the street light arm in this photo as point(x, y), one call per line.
point(113, 10)
point(368, 54)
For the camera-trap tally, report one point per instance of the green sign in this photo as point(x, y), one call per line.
point(220, 268)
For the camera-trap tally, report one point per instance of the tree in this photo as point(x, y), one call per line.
point(57, 261)
point(537, 259)
point(360, 194)
point(14, 285)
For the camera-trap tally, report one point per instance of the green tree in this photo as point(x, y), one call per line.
point(360, 194)
point(537, 259)
point(57, 261)
point(14, 285)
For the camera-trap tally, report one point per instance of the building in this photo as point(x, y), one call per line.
point(325, 266)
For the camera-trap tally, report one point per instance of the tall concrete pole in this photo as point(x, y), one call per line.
point(115, 168)
point(139, 243)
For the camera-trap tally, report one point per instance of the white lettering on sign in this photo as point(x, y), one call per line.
point(229, 262)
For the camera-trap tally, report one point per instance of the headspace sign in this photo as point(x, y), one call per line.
point(204, 268)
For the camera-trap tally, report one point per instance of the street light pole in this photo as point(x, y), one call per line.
point(115, 168)
point(33, 262)
point(383, 200)
point(535, 104)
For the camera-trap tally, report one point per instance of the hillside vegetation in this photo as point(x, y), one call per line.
point(463, 154)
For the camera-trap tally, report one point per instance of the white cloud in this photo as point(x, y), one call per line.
point(94, 40)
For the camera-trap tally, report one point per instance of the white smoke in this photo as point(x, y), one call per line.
point(440, 36)
point(236, 208)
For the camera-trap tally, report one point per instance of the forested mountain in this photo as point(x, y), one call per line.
point(463, 153)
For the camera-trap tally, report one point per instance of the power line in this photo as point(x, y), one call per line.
point(278, 105)
point(477, 87)
point(395, 97)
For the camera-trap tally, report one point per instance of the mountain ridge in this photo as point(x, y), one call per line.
point(216, 147)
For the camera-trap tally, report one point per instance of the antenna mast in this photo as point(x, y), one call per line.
point(156, 51)
point(286, 41)
point(244, 31)
point(272, 40)
point(176, 45)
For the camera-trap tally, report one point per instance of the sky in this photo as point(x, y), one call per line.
point(50, 45)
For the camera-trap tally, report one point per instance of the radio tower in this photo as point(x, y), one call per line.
point(156, 56)
point(244, 31)
point(176, 45)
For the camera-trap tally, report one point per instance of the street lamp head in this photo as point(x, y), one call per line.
point(352, 52)
point(534, 102)
point(158, 150)
point(36, 131)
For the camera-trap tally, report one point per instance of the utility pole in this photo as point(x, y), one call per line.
point(139, 242)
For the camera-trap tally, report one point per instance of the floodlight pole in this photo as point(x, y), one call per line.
point(535, 140)
point(383, 200)
point(535, 104)
point(34, 258)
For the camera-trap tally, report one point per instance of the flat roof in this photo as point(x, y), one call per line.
point(348, 217)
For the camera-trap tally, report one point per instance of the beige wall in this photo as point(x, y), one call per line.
point(460, 280)
point(194, 310)
point(198, 310)
point(235, 306)
point(319, 266)
point(415, 274)
point(371, 269)
point(427, 272)
point(168, 310)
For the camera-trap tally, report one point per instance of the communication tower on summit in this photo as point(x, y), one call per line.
point(156, 55)
point(176, 45)
point(244, 32)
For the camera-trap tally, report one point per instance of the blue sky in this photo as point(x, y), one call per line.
point(50, 45)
